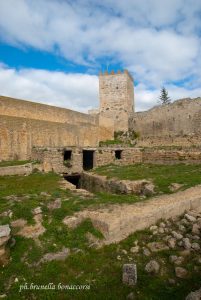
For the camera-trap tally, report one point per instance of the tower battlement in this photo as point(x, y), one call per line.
point(112, 72)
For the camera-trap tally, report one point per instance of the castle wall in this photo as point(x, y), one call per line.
point(178, 123)
point(19, 135)
point(37, 111)
point(116, 94)
point(24, 125)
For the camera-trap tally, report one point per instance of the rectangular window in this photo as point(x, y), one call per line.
point(118, 154)
point(67, 155)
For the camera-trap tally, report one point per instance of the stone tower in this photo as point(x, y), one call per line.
point(116, 92)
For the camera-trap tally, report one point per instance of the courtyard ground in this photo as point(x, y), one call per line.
point(83, 264)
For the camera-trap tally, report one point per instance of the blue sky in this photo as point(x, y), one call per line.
point(52, 51)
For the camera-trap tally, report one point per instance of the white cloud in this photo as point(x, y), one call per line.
point(73, 91)
point(157, 41)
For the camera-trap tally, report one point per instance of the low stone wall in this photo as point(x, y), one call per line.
point(190, 156)
point(16, 170)
point(96, 183)
point(116, 222)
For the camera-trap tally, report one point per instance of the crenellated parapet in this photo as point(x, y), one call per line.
point(118, 72)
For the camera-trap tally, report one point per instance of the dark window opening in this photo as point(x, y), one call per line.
point(74, 179)
point(88, 159)
point(67, 155)
point(118, 154)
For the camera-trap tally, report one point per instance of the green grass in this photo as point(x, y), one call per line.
point(14, 163)
point(97, 267)
point(35, 183)
point(162, 175)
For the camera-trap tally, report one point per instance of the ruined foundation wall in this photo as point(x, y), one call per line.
point(178, 123)
point(52, 159)
point(189, 156)
point(106, 156)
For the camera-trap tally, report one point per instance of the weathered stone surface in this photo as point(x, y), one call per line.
point(129, 276)
point(153, 228)
point(73, 221)
point(171, 243)
point(54, 204)
point(174, 187)
point(177, 235)
point(195, 246)
point(37, 210)
point(149, 189)
point(135, 249)
point(194, 295)
point(173, 258)
point(152, 267)
point(181, 272)
point(18, 223)
point(190, 218)
point(146, 252)
point(4, 231)
point(179, 260)
point(157, 246)
point(4, 237)
point(186, 243)
point(16, 170)
point(33, 231)
point(196, 229)
point(58, 256)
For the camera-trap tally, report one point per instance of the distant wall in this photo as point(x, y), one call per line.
point(32, 110)
point(177, 123)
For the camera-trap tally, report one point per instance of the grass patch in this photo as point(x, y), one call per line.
point(34, 183)
point(162, 175)
point(15, 163)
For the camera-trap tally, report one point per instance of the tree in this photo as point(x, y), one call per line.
point(164, 98)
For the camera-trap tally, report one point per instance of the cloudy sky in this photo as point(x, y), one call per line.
point(51, 51)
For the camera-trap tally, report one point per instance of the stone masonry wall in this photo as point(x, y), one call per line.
point(16, 170)
point(19, 135)
point(178, 123)
point(106, 156)
point(53, 158)
point(171, 156)
point(38, 111)
point(24, 125)
point(116, 92)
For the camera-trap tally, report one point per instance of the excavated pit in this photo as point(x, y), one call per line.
point(96, 183)
point(75, 179)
